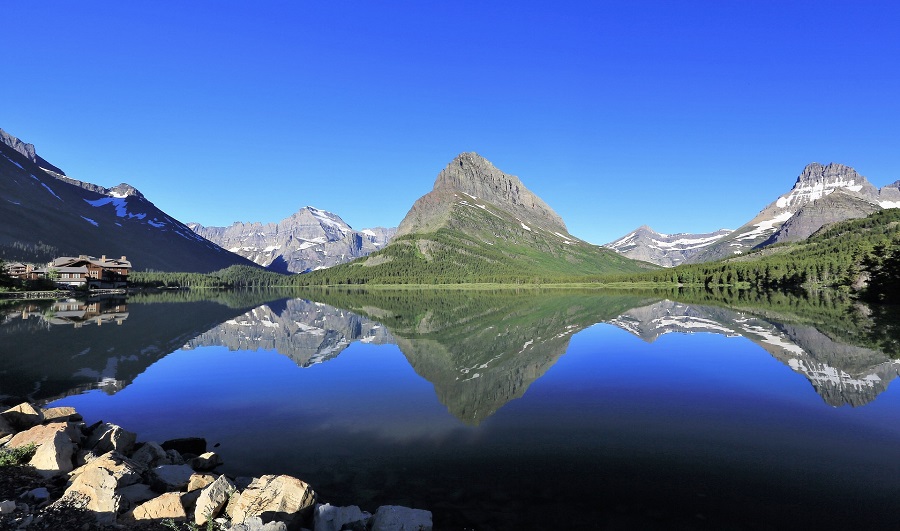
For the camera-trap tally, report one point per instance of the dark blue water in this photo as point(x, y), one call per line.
point(631, 422)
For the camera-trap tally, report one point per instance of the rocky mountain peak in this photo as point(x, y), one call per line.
point(27, 150)
point(817, 181)
point(125, 190)
point(473, 175)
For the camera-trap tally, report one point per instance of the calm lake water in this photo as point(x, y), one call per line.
point(532, 410)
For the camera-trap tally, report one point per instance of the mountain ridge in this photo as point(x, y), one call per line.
point(307, 240)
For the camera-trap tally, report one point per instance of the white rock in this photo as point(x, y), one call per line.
point(273, 494)
point(7, 506)
point(397, 518)
point(109, 437)
point(168, 478)
point(95, 488)
point(331, 518)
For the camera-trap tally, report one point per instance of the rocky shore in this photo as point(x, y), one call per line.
point(100, 477)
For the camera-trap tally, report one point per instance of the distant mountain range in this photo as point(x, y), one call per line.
point(479, 224)
point(307, 240)
point(821, 195)
point(47, 214)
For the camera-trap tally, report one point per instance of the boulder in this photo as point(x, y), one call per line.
point(23, 416)
point(212, 499)
point(56, 444)
point(40, 494)
point(163, 507)
point(137, 494)
point(273, 497)
point(397, 518)
point(187, 445)
point(173, 458)
point(61, 414)
point(199, 481)
point(95, 488)
point(332, 518)
point(255, 523)
point(169, 478)
point(5, 427)
point(206, 461)
point(110, 437)
point(149, 455)
point(7, 506)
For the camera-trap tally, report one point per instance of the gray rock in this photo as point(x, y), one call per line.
point(7, 506)
point(255, 523)
point(110, 437)
point(38, 495)
point(212, 499)
point(150, 455)
point(173, 457)
point(137, 494)
point(397, 518)
point(168, 478)
point(331, 518)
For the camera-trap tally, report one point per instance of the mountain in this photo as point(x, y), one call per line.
point(841, 373)
point(47, 214)
point(307, 240)
point(820, 196)
point(807, 207)
point(666, 250)
point(479, 224)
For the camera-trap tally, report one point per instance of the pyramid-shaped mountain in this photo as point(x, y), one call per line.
point(47, 214)
point(479, 224)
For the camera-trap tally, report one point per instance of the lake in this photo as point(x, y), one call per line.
point(537, 409)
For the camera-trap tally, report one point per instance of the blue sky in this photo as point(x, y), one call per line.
point(686, 116)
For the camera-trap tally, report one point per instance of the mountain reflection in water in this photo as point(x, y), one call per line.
point(671, 419)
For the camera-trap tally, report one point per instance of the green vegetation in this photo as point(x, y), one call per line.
point(17, 456)
point(230, 277)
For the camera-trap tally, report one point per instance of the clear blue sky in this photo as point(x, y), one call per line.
point(686, 116)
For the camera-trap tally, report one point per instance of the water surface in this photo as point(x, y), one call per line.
point(504, 410)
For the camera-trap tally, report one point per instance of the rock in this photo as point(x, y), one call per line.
point(255, 523)
point(95, 488)
point(397, 518)
point(150, 454)
point(165, 506)
point(137, 494)
point(200, 481)
point(212, 499)
point(187, 445)
point(110, 437)
point(6, 428)
point(173, 458)
point(61, 414)
point(189, 500)
point(7, 506)
point(39, 494)
point(23, 416)
point(331, 518)
point(206, 461)
point(56, 445)
point(168, 478)
point(273, 497)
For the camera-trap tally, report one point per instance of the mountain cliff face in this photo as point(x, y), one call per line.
point(307, 240)
point(47, 214)
point(479, 224)
point(666, 250)
point(817, 182)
